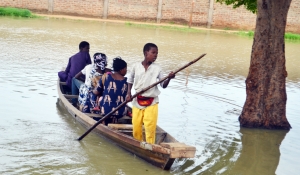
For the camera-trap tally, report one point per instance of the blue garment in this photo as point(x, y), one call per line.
point(114, 93)
point(90, 103)
point(87, 99)
point(75, 89)
point(86, 88)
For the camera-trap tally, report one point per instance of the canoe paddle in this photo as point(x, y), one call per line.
point(135, 95)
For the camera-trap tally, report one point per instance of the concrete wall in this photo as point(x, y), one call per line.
point(174, 11)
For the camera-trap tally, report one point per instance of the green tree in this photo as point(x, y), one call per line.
point(265, 105)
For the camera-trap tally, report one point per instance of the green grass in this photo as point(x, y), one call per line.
point(292, 36)
point(175, 28)
point(287, 36)
point(16, 12)
point(246, 33)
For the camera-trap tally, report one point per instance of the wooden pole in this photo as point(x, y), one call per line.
point(135, 95)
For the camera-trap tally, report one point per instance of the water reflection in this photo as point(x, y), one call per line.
point(256, 153)
point(260, 152)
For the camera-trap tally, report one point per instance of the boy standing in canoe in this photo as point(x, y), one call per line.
point(145, 106)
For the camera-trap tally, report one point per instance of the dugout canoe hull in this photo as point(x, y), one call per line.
point(161, 154)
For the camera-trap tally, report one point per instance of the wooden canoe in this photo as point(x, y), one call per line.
point(161, 154)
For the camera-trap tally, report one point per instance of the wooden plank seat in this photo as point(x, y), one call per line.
point(127, 128)
point(120, 126)
point(100, 116)
point(70, 96)
point(62, 83)
point(129, 131)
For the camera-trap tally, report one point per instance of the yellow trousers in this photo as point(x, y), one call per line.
point(148, 116)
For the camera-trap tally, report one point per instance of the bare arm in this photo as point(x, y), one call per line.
point(128, 96)
point(99, 89)
point(130, 81)
point(96, 92)
point(166, 82)
point(79, 76)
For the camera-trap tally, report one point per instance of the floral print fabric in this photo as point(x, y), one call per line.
point(86, 99)
point(114, 93)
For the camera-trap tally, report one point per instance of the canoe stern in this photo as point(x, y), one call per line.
point(180, 150)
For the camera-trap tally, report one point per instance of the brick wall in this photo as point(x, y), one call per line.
point(133, 9)
point(224, 16)
point(293, 19)
point(79, 7)
point(180, 10)
point(40, 5)
point(172, 11)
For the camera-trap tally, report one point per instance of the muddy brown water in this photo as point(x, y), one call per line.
point(200, 107)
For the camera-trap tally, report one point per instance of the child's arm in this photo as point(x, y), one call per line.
point(130, 80)
point(128, 96)
point(166, 82)
point(98, 90)
point(79, 76)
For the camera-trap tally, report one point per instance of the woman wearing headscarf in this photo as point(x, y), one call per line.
point(93, 72)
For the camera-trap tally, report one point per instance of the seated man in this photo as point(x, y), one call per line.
point(76, 63)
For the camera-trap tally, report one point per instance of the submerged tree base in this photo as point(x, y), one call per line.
point(252, 123)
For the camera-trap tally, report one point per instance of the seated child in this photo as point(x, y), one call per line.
point(113, 91)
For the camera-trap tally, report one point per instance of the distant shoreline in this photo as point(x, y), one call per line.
point(131, 22)
point(288, 36)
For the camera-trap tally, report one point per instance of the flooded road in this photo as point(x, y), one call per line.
point(200, 107)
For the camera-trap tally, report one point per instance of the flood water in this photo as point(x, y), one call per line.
point(200, 107)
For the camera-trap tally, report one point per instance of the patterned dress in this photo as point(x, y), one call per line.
point(114, 93)
point(87, 99)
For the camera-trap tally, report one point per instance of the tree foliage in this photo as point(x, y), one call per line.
point(250, 5)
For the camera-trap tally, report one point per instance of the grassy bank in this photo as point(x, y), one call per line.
point(10, 11)
point(287, 36)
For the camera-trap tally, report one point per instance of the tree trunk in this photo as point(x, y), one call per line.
point(265, 105)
